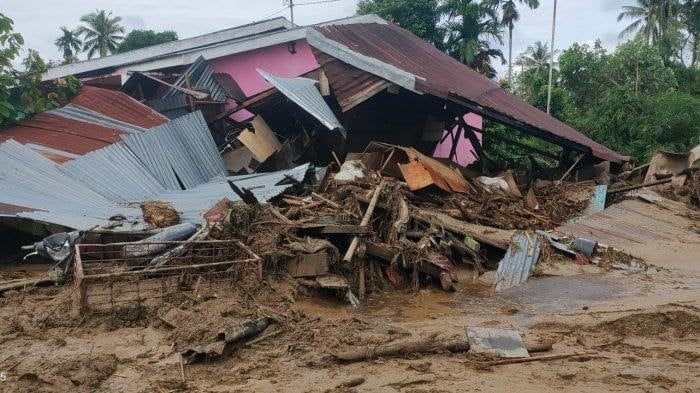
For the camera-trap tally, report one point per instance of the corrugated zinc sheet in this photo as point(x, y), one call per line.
point(441, 75)
point(200, 77)
point(117, 105)
point(303, 92)
point(74, 112)
point(105, 165)
point(519, 262)
point(181, 151)
point(347, 81)
point(659, 233)
point(61, 133)
point(51, 195)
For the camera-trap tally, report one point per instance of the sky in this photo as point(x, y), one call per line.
point(39, 20)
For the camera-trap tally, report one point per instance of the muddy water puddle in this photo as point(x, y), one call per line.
point(540, 295)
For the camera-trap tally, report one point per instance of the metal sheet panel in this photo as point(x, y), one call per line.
point(519, 262)
point(201, 78)
point(181, 151)
point(303, 92)
point(117, 105)
point(85, 115)
point(659, 233)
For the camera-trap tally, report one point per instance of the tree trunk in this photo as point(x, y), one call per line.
point(510, 55)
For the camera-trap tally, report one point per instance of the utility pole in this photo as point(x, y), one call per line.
point(291, 11)
point(551, 60)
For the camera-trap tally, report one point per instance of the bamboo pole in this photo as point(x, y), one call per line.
point(365, 221)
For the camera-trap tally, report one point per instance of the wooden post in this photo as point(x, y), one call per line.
point(365, 221)
point(187, 82)
point(361, 280)
point(80, 303)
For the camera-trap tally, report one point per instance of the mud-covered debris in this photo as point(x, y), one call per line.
point(159, 214)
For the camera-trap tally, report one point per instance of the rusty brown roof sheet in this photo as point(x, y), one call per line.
point(119, 106)
point(79, 137)
point(446, 77)
point(61, 133)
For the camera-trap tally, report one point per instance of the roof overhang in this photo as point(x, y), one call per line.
point(214, 45)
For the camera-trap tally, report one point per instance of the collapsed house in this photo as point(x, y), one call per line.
point(349, 155)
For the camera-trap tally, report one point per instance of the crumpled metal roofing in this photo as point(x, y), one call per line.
point(519, 262)
point(200, 78)
point(90, 190)
point(438, 74)
point(179, 151)
point(303, 92)
point(75, 112)
point(94, 118)
point(118, 106)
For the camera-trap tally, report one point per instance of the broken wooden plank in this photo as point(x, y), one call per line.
point(263, 142)
point(341, 229)
point(365, 221)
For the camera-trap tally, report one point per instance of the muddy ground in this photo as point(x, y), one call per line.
point(644, 330)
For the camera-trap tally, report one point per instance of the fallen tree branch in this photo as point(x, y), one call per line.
point(538, 358)
point(424, 345)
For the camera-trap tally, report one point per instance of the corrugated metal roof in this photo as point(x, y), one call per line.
point(179, 151)
point(201, 78)
point(81, 114)
point(90, 190)
point(303, 92)
point(659, 233)
point(94, 119)
point(117, 105)
point(519, 262)
point(61, 133)
point(438, 74)
point(345, 80)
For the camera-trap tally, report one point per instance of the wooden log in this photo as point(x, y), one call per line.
point(365, 221)
point(328, 201)
point(538, 358)
point(279, 215)
point(636, 186)
point(425, 345)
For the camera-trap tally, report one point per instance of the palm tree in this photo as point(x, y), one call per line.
point(510, 15)
point(470, 26)
point(69, 43)
point(535, 57)
point(101, 32)
point(653, 18)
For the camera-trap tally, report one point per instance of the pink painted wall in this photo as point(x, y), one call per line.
point(465, 153)
point(275, 59)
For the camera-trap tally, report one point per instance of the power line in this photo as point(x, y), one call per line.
point(275, 13)
point(291, 5)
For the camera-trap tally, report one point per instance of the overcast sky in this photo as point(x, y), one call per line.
point(39, 20)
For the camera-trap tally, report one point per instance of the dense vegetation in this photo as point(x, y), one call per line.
point(643, 96)
point(22, 93)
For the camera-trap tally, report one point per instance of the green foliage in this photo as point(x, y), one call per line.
point(507, 155)
point(23, 93)
point(101, 33)
point(471, 26)
point(144, 38)
point(10, 44)
point(628, 100)
point(420, 17)
point(69, 43)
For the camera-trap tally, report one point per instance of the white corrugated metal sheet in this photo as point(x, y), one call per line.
point(92, 190)
point(303, 92)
